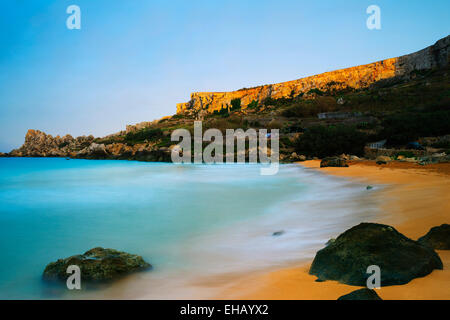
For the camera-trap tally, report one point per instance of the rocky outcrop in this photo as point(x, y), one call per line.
point(361, 294)
point(400, 259)
point(437, 238)
point(97, 264)
point(333, 162)
point(435, 56)
point(40, 144)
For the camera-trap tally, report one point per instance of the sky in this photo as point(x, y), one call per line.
point(132, 61)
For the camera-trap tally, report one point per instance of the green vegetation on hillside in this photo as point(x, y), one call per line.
point(322, 141)
point(146, 134)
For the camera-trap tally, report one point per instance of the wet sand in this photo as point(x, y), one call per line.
point(415, 198)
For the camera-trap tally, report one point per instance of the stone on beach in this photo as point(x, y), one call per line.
point(361, 294)
point(400, 259)
point(437, 238)
point(333, 162)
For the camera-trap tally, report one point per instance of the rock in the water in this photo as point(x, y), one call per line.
point(361, 294)
point(400, 259)
point(333, 162)
point(437, 238)
point(369, 188)
point(97, 264)
point(278, 233)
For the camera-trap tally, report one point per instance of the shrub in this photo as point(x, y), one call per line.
point(310, 108)
point(316, 91)
point(404, 127)
point(142, 135)
point(235, 104)
point(406, 154)
point(222, 112)
point(321, 141)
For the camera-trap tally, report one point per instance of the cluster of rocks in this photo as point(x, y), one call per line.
point(422, 160)
point(346, 258)
point(40, 144)
point(97, 265)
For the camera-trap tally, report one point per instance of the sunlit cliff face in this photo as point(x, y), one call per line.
point(355, 77)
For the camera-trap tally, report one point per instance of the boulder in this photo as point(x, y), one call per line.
point(278, 233)
point(97, 265)
point(296, 157)
point(382, 159)
point(400, 259)
point(437, 238)
point(333, 162)
point(361, 294)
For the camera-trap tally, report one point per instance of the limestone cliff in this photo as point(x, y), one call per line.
point(40, 144)
point(435, 56)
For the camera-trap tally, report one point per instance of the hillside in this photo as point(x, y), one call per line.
point(399, 100)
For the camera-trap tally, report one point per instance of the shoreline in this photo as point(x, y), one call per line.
point(413, 202)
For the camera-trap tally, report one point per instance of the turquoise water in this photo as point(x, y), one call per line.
point(189, 221)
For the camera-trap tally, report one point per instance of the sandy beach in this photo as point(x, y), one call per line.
point(415, 198)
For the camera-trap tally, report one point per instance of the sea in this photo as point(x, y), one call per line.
point(201, 226)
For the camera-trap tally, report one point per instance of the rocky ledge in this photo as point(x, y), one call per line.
point(97, 265)
point(40, 144)
point(400, 259)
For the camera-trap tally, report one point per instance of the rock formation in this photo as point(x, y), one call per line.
point(435, 56)
point(361, 294)
point(437, 238)
point(97, 264)
point(333, 162)
point(40, 144)
point(399, 258)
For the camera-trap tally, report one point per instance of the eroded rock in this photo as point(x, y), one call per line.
point(96, 265)
point(437, 238)
point(400, 259)
point(333, 162)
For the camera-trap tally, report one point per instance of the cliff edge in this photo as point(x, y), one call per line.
point(435, 56)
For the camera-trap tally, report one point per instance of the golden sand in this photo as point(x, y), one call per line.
point(417, 199)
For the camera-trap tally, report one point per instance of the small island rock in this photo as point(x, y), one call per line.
point(97, 264)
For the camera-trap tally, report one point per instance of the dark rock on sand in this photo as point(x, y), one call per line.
point(400, 259)
point(278, 233)
point(361, 294)
point(97, 264)
point(333, 162)
point(437, 238)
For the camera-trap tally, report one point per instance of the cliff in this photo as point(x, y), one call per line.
point(435, 56)
point(40, 144)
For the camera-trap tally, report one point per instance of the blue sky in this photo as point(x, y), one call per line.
point(132, 61)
